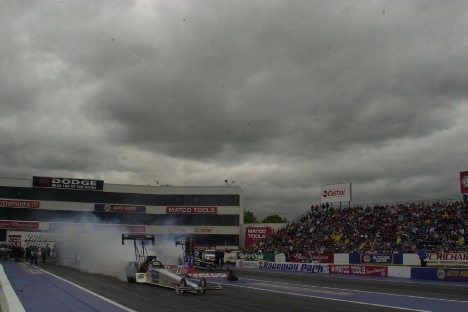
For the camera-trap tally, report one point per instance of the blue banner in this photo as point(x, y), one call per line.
point(119, 208)
point(378, 258)
point(440, 274)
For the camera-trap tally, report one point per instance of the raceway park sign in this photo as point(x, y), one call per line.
point(26, 239)
point(69, 183)
point(6, 203)
point(292, 267)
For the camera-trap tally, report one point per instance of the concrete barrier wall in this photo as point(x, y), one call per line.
point(341, 258)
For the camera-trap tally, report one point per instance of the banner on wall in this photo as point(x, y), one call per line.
point(257, 233)
point(8, 203)
point(19, 225)
point(68, 183)
point(119, 208)
point(359, 270)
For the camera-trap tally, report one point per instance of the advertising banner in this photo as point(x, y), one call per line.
point(335, 193)
point(464, 182)
point(119, 208)
point(14, 240)
point(440, 274)
point(359, 270)
point(69, 183)
point(294, 267)
point(192, 229)
point(247, 264)
point(25, 239)
point(311, 257)
point(66, 227)
point(19, 225)
point(7, 203)
point(191, 210)
point(257, 233)
point(447, 259)
point(120, 227)
point(388, 259)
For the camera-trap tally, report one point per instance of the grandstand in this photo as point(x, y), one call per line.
point(441, 225)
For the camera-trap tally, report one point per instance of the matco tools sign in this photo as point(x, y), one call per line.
point(255, 234)
point(69, 183)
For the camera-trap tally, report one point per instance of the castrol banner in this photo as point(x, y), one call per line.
point(257, 233)
point(335, 193)
point(464, 182)
point(359, 270)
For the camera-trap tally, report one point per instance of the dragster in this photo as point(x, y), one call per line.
point(147, 269)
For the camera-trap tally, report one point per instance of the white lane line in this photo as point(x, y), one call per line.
point(326, 298)
point(358, 291)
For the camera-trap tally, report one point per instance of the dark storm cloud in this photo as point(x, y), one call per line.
point(282, 97)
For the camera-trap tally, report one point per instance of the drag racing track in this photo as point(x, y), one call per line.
point(277, 291)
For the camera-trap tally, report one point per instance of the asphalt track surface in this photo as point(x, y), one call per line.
point(277, 291)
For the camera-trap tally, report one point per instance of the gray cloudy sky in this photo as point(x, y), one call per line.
point(281, 96)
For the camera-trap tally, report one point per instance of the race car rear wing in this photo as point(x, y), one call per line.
point(140, 251)
point(139, 237)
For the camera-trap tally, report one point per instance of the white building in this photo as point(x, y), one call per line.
point(47, 205)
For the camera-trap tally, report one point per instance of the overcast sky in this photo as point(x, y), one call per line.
point(280, 96)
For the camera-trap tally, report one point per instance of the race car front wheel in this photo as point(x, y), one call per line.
point(182, 283)
point(202, 284)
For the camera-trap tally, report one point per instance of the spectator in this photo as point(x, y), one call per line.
point(422, 253)
point(45, 252)
point(33, 255)
point(383, 229)
point(221, 259)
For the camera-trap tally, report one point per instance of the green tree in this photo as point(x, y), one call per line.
point(249, 217)
point(274, 219)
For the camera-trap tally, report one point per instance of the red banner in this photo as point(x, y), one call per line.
point(464, 182)
point(14, 240)
point(359, 270)
point(19, 203)
point(256, 233)
point(19, 225)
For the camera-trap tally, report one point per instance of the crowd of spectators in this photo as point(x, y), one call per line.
point(399, 228)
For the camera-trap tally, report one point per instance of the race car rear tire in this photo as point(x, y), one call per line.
point(132, 269)
point(202, 283)
point(183, 283)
